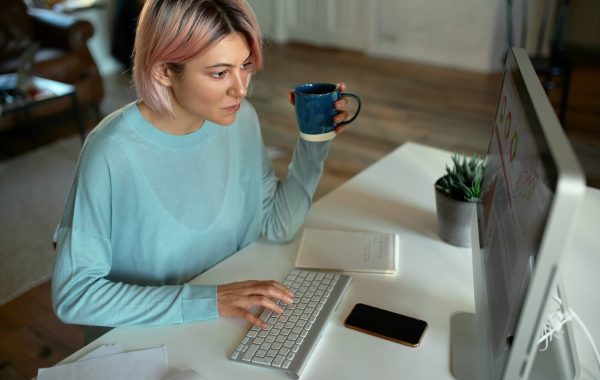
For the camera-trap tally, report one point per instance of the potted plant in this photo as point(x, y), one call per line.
point(456, 194)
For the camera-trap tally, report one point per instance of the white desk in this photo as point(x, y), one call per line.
point(434, 281)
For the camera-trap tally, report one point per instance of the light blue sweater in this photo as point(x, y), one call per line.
point(148, 211)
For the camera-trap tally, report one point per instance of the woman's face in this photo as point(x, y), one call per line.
point(213, 83)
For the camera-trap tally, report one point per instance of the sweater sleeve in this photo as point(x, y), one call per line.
point(286, 202)
point(81, 290)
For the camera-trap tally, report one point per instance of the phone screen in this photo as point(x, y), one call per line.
point(386, 324)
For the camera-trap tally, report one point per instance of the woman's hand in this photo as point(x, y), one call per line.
point(238, 298)
point(340, 106)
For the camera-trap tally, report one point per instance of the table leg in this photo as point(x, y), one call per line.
point(77, 116)
point(28, 122)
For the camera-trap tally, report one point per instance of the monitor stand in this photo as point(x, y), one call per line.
point(462, 346)
point(556, 363)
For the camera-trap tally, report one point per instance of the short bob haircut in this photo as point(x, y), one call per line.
point(173, 32)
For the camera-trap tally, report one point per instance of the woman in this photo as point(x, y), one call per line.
point(172, 184)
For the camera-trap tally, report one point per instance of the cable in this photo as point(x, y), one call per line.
point(556, 320)
point(587, 334)
point(553, 326)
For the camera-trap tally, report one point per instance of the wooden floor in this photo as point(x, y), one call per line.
point(449, 109)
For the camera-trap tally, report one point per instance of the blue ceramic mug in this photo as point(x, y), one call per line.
point(315, 109)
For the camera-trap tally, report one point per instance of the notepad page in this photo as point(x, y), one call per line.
point(357, 251)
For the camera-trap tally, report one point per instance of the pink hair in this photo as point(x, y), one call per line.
point(175, 31)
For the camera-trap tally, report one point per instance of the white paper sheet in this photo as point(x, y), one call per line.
point(105, 350)
point(150, 364)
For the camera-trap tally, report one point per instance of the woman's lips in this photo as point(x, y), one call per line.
point(233, 108)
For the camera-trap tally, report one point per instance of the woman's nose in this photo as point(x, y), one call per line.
point(239, 88)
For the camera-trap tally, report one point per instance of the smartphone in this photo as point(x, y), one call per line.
point(386, 324)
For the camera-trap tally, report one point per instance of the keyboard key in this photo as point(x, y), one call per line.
point(260, 353)
point(250, 353)
point(266, 360)
point(278, 360)
point(266, 314)
point(265, 346)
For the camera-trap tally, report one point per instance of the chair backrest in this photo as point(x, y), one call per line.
point(557, 41)
point(16, 29)
point(548, 28)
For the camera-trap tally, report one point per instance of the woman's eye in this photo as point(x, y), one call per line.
point(219, 74)
point(246, 65)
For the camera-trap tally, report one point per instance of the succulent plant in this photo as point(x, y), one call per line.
point(462, 181)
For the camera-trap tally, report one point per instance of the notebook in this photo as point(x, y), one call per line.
point(352, 251)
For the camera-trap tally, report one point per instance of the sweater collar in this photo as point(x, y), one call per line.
point(161, 138)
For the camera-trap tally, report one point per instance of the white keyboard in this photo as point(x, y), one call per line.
point(287, 341)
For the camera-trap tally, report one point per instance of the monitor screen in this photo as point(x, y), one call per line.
point(531, 190)
point(518, 188)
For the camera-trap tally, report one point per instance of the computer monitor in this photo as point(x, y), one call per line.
point(533, 188)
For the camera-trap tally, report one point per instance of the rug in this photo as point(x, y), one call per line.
point(33, 191)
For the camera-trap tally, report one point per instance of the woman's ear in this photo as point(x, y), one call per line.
point(162, 74)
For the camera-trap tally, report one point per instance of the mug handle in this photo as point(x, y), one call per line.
point(355, 97)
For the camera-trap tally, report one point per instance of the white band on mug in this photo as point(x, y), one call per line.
point(319, 137)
